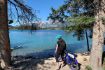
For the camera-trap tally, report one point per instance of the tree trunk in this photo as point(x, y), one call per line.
point(98, 39)
point(87, 41)
point(4, 33)
point(97, 45)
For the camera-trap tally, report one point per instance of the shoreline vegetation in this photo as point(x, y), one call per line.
point(30, 27)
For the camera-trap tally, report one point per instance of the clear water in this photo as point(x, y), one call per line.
point(43, 41)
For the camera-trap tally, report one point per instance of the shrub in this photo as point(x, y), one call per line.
point(88, 67)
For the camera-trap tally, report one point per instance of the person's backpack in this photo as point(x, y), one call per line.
point(70, 59)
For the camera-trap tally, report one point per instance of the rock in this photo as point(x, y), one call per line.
point(2, 64)
point(85, 59)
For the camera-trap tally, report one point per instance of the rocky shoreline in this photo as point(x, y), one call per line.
point(31, 63)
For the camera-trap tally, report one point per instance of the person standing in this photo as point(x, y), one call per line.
point(60, 50)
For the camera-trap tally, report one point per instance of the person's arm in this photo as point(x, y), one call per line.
point(56, 48)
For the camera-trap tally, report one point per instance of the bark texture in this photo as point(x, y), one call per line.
point(98, 39)
point(4, 33)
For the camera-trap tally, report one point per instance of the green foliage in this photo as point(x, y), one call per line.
point(88, 67)
point(80, 23)
point(103, 68)
point(81, 20)
point(78, 13)
point(57, 15)
point(103, 61)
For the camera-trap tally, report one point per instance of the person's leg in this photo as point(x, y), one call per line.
point(64, 61)
point(59, 64)
point(57, 61)
point(56, 57)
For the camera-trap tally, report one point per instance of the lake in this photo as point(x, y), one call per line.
point(43, 41)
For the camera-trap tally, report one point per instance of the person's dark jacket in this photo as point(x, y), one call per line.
point(61, 46)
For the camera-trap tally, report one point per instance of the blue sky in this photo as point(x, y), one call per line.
point(43, 7)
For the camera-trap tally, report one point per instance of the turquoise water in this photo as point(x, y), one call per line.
point(43, 41)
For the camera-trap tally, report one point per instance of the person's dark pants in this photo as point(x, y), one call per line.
point(57, 55)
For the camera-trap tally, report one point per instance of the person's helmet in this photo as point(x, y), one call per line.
point(58, 36)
